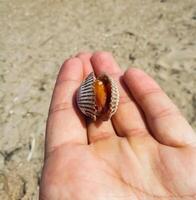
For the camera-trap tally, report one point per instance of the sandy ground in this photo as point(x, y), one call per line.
point(158, 36)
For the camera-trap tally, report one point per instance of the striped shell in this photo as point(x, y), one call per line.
point(86, 98)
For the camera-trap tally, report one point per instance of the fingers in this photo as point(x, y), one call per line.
point(96, 130)
point(85, 59)
point(65, 125)
point(167, 124)
point(127, 120)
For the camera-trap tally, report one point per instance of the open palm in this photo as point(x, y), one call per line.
point(147, 150)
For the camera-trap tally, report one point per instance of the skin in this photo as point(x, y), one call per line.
point(147, 151)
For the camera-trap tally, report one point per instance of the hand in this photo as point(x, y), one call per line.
point(147, 151)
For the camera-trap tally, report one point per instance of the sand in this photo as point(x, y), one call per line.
point(37, 36)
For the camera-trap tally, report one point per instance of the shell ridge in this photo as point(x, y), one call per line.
point(86, 97)
point(114, 97)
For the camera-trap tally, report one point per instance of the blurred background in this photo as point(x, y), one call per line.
point(158, 36)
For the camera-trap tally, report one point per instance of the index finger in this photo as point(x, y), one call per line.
point(65, 125)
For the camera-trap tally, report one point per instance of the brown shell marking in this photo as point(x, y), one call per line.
point(86, 97)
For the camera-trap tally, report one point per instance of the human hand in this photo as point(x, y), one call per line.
point(147, 151)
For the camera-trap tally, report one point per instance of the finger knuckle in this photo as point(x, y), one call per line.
point(166, 112)
point(61, 107)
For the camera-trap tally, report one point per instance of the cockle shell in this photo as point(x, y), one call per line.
point(86, 99)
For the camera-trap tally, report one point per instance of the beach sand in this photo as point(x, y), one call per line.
point(37, 36)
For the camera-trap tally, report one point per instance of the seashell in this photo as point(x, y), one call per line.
point(98, 97)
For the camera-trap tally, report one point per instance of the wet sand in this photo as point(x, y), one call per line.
point(37, 36)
